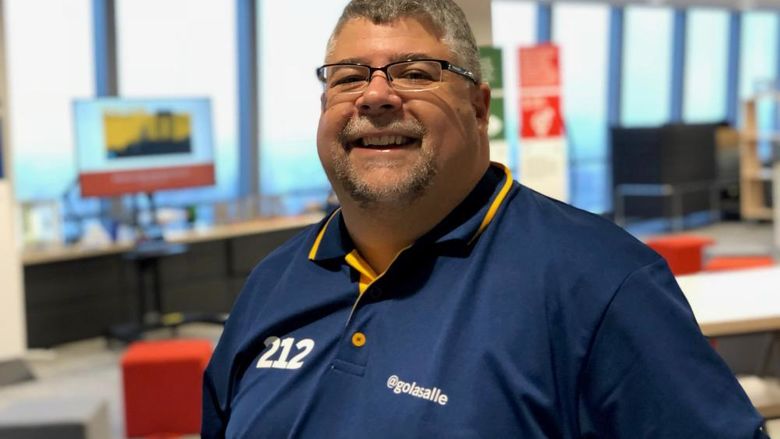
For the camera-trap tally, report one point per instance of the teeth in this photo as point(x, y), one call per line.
point(384, 140)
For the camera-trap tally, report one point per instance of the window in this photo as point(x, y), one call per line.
point(290, 98)
point(514, 26)
point(45, 74)
point(758, 68)
point(706, 65)
point(581, 31)
point(647, 59)
point(168, 48)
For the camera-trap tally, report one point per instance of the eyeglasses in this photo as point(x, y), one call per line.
point(410, 75)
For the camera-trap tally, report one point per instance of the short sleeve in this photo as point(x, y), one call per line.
point(650, 373)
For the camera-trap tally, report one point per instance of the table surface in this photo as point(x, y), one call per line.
point(734, 302)
point(223, 231)
point(724, 303)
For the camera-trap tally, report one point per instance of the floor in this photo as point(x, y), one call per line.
point(90, 367)
point(731, 237)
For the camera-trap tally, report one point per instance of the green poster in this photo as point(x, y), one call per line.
point(491, 61)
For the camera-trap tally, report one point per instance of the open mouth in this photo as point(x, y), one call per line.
point(383, 142)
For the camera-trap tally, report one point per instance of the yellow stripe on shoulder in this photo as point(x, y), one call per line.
point(316, 245)
point(495, 204)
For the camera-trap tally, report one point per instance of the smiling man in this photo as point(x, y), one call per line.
point(444, 299)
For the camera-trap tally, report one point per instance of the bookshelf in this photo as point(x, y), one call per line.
point(754, 177)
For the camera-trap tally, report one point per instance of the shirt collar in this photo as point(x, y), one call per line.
point(464, 224)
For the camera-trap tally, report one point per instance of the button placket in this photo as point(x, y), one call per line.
point(354, 344)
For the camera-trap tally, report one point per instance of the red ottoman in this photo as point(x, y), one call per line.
point(162, 384)
point(683, 253)
point(722, 263)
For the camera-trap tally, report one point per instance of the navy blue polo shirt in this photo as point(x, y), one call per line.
point(517, 316)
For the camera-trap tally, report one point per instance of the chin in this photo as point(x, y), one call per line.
point(387, 187)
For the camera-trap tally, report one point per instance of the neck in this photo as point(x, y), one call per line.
point(380, 233)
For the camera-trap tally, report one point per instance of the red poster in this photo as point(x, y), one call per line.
point(540, 92)
point(110, 183)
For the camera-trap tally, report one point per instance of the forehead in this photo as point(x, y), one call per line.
point(360, 40)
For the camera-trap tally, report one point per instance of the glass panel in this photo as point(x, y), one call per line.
point(706, 65)
point(590, 179)
point(758, 68)
point(758, 65)
point(169, 48)
point(647, 64)
point(582, 31)
point(289, 166)
point(45, 73)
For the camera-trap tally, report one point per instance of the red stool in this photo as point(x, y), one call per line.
point(723, 263)
point(683, 253)
point(162, 385)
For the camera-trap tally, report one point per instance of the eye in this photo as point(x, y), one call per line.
point(415, 75)
point(346, 80)
point(346, 76)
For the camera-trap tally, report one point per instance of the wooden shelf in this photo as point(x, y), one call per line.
point(758, 213)
point(763, 174)
point(753, 175)
point(761, 137)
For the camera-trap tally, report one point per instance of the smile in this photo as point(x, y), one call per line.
point(385, 141)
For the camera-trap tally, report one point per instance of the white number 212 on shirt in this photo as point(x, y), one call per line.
point(303, 347)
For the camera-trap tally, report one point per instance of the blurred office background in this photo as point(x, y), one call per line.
point(625, 64)
point(639, 64)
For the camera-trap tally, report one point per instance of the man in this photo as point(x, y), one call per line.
point(444, 299)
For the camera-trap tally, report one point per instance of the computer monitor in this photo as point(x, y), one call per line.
point(127, 146)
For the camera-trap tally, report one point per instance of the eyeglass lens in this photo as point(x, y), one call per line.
point(412, 75)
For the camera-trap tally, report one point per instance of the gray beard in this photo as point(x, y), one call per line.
point(399, 194)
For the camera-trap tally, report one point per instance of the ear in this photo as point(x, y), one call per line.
point(480, 101)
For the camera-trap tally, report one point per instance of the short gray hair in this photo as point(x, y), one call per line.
point(445, 15)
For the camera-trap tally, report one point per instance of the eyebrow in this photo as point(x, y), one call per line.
point(395, 58)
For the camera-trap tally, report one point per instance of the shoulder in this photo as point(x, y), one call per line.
point(288, 259)
point(573, 261)
point(296, 247)
point(570, 238)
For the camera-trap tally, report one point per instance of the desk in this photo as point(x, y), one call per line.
point(73, 293)
point(676, 192)
point(58, 253)
point(736, 302)
point(741, 302)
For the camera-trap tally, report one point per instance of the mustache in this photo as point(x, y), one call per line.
point(360, 126)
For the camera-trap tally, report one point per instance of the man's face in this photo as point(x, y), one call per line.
point(386, 146)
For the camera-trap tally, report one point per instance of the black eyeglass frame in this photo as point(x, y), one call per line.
point(445, 65)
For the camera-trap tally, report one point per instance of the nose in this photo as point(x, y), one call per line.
point(378, 98)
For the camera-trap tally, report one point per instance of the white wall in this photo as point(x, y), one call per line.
point(13, 333)
point(478, 14)
point(13, 339)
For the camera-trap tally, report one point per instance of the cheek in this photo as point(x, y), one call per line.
point(331, 123)
point(448, 127)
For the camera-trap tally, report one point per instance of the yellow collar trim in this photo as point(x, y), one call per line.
point(491, 213)
point(367, 274)
point(316, 245)
point(496, 203)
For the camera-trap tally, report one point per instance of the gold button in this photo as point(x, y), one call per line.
point(358, 339)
